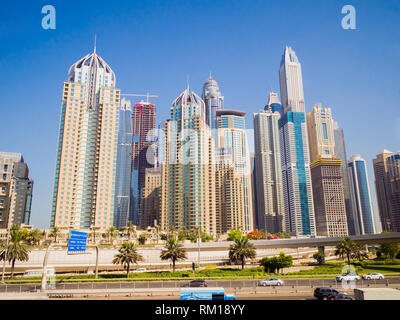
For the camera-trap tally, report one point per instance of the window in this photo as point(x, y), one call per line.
point(325, 131)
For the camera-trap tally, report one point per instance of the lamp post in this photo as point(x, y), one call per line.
point(198, 245)
point(5, 255)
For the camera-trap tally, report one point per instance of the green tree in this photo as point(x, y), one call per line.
point(130, 229)
point(234, 235)
point(319, 257)
point(34, 237)
point(127, 255)
point(143, 238)
point(241, 250)
point(111, 234)
point(345, 249)
point(269, 264)
point(284, 261)
point(358, 252)
point(389, 250)
point(173, 251)
point(205, 237)
point(55, 233)
point(18, 249)
point(274, 264)
point(94, 234)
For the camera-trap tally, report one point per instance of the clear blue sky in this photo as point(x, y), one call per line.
point(154, 45)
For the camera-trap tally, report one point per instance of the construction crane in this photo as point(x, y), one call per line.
point(140, 95)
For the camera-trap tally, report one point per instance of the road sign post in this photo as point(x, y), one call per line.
point(77, 242)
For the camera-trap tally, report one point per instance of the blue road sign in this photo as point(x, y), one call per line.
point(77, 241)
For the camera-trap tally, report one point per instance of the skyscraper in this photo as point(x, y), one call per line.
point(362, 203)
point(268, 170)
point(340, 153)
point(143, 153)
point(273, 103)
point(15, 190)
point(291, 82)
point(320, 133)
point(297, 188)
point(383, 187)
point(387, 184)
point(394, 178)
point(329, 205)
point(213, 101)
point(233, 152)
point(124, 166)
point(84, 186)
point(188, 168)
point(326, 175)
point(151, 198)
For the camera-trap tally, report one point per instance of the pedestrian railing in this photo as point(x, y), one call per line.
point(289, 284)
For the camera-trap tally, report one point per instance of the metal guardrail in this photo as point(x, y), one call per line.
point(228, 284)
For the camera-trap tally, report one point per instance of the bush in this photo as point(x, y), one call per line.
point(254, 235)
point(319, 257)
point(234, 235)
point(274, 264)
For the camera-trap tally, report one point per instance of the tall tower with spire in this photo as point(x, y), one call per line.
point(84, 185)
point(291, 82)
point(213, 100)
point(188, 170)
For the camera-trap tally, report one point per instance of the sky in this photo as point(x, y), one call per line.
point(155, 46)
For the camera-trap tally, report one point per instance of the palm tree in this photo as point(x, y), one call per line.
point(129, 229)
point(345, 248)
point(94, 234)
point(55, 233)
point(34, 237)
point(241, 250)
point(17, 250)
point(112, 233)
point(127, 255)
point(173, 251)
point(358, 252)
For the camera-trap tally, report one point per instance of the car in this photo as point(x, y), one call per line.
point(342, 296)
point(139, 270)
point(373, 276)
point(348, 277)
point(196, 283)
point(271, 282)
point(325, 293)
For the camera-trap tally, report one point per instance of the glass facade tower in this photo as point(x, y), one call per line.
point(363, 213)
point(124, 165)
point(297, 188)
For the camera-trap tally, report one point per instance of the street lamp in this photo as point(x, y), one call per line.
point(5, 254)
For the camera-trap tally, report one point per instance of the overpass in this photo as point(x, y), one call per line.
point(318, 242)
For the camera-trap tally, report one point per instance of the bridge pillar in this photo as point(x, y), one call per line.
point(321, 250)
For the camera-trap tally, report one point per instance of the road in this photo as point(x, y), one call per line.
point(227, 284)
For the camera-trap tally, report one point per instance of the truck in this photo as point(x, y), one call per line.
point(376, 294)
point(205, 293)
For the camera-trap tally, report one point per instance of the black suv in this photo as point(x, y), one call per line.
point(196, 283)
point(325, 293)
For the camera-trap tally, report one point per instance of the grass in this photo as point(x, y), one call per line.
point(320, 271)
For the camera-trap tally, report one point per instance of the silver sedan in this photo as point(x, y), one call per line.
point(373, 276)
point(271, 282)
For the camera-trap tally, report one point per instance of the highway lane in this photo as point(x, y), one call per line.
point(227, 284)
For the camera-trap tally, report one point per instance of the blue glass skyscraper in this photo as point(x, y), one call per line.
point(296, 175)
point(362, 204)
point(124, 164)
